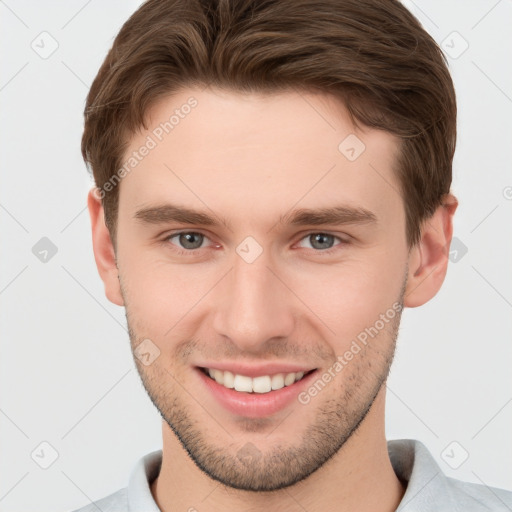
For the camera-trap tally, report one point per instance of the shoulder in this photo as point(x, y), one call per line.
point(115, 502)
point(479, 497)
point(429, 489)
point(137, 495)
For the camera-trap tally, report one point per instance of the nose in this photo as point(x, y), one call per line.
point(253, 305)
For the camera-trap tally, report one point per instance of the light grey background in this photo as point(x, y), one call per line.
point(67, 375)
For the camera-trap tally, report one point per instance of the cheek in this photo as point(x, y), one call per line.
point(160, 294)
point(349, 297)
point(337, 300)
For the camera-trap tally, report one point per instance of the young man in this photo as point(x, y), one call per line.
point(273, 188)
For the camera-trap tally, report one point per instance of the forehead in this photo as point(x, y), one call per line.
point(257, 155)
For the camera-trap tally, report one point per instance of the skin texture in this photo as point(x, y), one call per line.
point(249, 159)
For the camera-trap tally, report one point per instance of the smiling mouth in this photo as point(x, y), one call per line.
point(261, 384)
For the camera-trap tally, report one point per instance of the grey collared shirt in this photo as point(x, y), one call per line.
point(428, 489)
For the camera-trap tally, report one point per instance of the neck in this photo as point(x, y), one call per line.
point(359, 477)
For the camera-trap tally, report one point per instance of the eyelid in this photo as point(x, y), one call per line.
point(168, 236)
point(303, 235)
point(339, 238)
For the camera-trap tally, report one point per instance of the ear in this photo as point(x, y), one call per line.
point(428, 259)
point(103, 248)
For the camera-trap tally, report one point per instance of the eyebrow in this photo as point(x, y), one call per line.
point(335, 215)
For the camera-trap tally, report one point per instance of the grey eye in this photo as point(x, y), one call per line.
point(190, 240)
point(321, 240)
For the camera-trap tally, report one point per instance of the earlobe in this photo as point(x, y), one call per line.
point(428, 259)
point(103, 248)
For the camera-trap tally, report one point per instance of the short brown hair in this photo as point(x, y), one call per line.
point(373, 55)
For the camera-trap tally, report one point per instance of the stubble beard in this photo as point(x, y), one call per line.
point(264, 469)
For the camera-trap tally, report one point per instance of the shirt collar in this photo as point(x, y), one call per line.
point(427, 486)
point(143, 475)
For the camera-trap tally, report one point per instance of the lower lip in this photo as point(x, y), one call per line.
point(255, 405)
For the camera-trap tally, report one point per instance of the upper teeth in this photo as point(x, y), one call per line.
point(262, 384)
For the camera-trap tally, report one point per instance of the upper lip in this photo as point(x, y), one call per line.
point(255, 370)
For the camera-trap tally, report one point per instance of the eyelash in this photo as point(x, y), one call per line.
point(192, 252)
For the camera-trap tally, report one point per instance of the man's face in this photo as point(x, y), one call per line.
point(254, 293)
